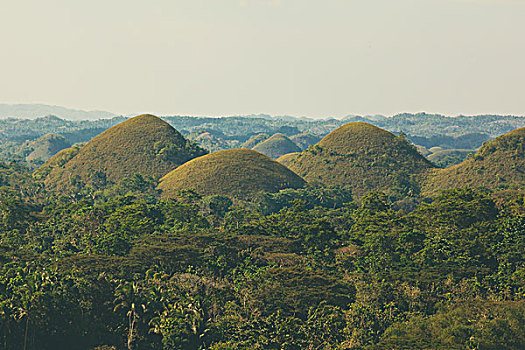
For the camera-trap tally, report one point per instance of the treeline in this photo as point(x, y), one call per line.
point(300, 269)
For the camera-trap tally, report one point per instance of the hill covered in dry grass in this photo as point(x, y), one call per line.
point(144, 144)
point(47, 146)
point(236, 173)
point(499, 164)
point(276, 146)
point(361, 156)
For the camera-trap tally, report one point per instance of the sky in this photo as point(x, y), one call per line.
point(316, 58)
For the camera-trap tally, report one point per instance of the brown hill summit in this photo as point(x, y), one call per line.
point(237, 173)
point(255, 140)
point(499, 164)
point(144, 144)
point(361, 156)
point(276, 146)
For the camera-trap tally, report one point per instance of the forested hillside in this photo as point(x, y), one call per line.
point(147, 242)
point(299, 269)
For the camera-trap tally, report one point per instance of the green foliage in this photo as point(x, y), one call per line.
point(312, 196)
point(304, 268)
point(449, 157)
point(486, 325)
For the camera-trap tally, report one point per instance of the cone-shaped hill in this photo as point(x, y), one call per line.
point(47, 146)
point(255, 140)
point(499, 164)
point(305, 140)
point(144, 144)
point(361, 156)
point(276, 146)
point(237, 173)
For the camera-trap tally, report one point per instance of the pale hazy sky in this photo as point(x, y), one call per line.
point(299, 57)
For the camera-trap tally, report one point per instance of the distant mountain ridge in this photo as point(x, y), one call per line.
point(33, 111)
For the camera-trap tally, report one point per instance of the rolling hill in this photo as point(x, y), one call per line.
point(499, 164)
point(276, 146)
point(57, 161)
point(361, 156)
point(144, 144)
point(305, 140)
point(236, 173)
point(255, 140)
point(287, 159)
point(46, 146)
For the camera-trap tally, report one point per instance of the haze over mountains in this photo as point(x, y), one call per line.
point(33, 111)
point(445, 141)
point(408, 122)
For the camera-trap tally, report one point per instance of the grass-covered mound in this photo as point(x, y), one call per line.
point(237, 173)
point(287, 159)
point(57, 161)
point(499, 164)
point(363, 157)
point(143, 145)
point(47, 146)
point(449, 157)
point(305, 140)
point(255, 140)
point(276, 146)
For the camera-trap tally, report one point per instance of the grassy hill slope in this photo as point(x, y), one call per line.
point(144, 144)
point(57, 161)
point(47, 146)
point(255, 140)
point(305, 140)
point(276, 146)
point(236, 173)
point(361, 156)
point(287, 159)
point(499, 164)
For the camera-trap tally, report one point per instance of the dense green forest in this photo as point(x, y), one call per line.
point(307, 268)
point(139, 239)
